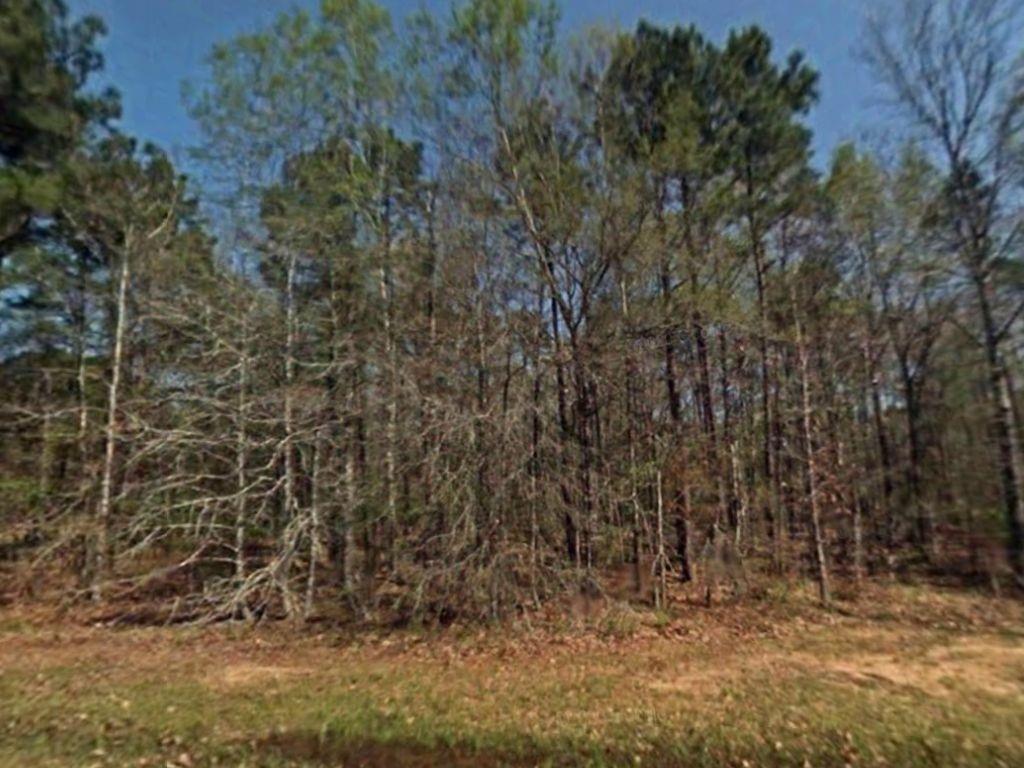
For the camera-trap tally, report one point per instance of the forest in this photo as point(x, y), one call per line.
point(478, 389)
point(460, 314)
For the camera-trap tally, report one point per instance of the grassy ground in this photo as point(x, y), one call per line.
point(903, 677)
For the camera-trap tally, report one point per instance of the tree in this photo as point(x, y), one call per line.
point(954, 69)
point(130, 209)
point(492, 314)
point(45, 63)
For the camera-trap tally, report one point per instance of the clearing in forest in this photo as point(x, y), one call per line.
point(905, 676)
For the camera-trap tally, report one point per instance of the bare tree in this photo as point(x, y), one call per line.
point(954, 68)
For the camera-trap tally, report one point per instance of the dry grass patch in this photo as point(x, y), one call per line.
point(911, 677)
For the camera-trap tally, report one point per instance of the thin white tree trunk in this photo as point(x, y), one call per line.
point(105, 511)
point(661, 558)
point(241, 454)
point(315, 548)
point(392, 411)
point(290, 502)
point(349, 562)
point(807, 426)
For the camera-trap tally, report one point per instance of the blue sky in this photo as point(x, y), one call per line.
point(154, 45)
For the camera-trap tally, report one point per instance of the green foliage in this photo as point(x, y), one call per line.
point(659, 88)
point(45, 62)
point(497, 33)
point(278, 92)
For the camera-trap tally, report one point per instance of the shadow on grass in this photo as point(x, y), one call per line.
point(308, 748)
point(305, 747)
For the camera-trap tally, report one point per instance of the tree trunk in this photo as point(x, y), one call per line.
point(923, 523)
point(241, 453)
point(46, 438)
point(314, 525)
point(671, 386)
point(291, 506)
point(391, 427)
point(807, 425)
point(768, 459)
point(104, 515)
point(885, 461)
point(1006, 439)
point(572, 543)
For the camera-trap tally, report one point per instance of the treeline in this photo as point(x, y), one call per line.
point(473, 313)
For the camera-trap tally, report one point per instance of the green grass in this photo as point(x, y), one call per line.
point(852, 692)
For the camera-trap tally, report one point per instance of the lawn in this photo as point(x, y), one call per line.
point(904, 676)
